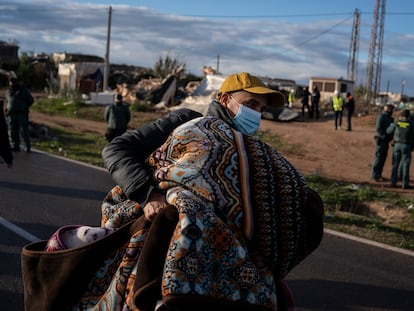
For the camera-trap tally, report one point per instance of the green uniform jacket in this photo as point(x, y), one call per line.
point(117, 116)
point(404, 132)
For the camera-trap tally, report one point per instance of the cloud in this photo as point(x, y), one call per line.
point(139, 36)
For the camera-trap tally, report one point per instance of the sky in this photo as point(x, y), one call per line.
point(293, 40)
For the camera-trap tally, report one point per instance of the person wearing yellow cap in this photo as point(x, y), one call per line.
point(182, 138)
point(239, 102)
point(197, 194)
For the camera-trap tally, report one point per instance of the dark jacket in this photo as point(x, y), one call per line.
point(403, 131)
point(382, 123)
point(18, 100)
point(305, 96)
point(316, 96)
point(117, 116)
point(350, 104)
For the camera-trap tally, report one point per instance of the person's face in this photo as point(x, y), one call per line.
point(233, 101)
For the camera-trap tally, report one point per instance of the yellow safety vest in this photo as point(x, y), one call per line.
point(338, 103)
point(291, 98)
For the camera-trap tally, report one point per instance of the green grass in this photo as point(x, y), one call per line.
point(80, 146)
point(347, 210)
point(278, 144)
point(345, 204)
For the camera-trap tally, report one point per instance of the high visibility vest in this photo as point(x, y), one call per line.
point(338, 103)
point(291, 98)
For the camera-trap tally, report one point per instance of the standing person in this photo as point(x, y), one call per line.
point(238, 106)
point(117, 115)
point(382, 139)
point(350, 107)
point(338, 106)
point(5, 150)
point(305, 102)
point(19, 100)
point(315, 99)
point(403, 131)
point(291, 98)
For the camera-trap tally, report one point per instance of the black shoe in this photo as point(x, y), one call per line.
point(379, 179)
point(407, 187)
point(16, 149)
point(28, 150)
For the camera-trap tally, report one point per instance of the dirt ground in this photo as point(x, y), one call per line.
point(336, 154)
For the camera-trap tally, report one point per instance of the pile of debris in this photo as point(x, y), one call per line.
point(165, 95)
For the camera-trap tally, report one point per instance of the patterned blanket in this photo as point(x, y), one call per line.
point(239, 220)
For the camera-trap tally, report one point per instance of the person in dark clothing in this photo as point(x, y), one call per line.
point(383, 140)
point(19, 100)
point(5, 150)
point(305, 102)
point(117, 116)
point(239, 103)
point(350, 107)
point(315, 99)
point(403, 131)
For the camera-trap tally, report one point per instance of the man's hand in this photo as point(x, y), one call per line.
point(156, 202)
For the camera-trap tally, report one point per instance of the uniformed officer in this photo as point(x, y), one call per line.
point(382, 139)
point(403, 131)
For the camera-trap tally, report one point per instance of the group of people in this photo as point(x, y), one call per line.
point(203, 216)
point(338, 104)
point(15, 117)
point(313, 109)
point(400, 134)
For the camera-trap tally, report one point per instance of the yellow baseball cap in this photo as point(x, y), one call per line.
point(246, 82)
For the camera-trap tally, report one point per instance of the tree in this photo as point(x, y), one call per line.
point(27, 73)
point(165, 66)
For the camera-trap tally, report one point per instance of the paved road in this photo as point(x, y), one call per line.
point(42, 192)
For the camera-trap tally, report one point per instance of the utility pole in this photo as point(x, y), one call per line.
point(402, 90)
point(218, 64)
point(373, 76)
point(108, 39)
point(353, 49)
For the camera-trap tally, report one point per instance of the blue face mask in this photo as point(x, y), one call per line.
point(247, 120)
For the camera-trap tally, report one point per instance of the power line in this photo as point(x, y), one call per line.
point(318, 35)
point(54, 10)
